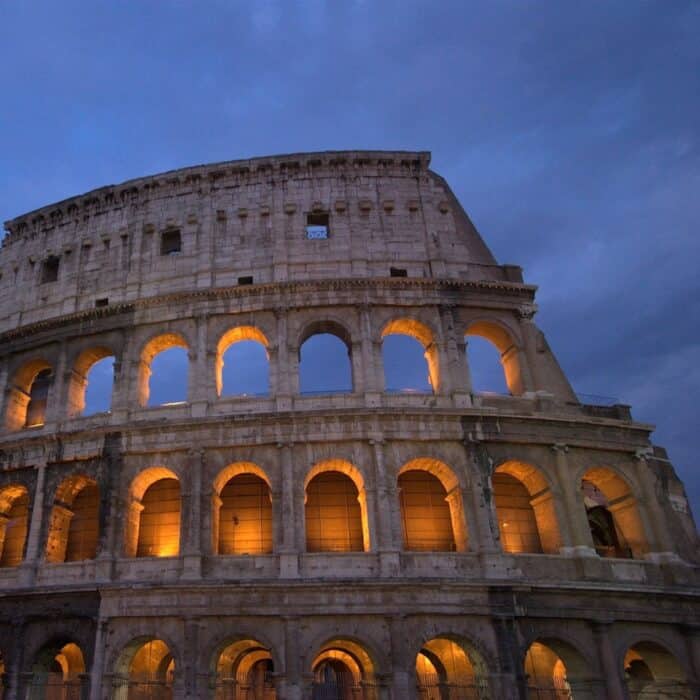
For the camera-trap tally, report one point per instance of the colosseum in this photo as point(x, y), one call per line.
point(369, 543)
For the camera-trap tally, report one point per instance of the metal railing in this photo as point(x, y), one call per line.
point(430, 687)
point(256, 688)
point(658, 690)
point(53, 686)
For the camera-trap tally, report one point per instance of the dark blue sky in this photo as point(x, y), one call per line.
point(568, 130)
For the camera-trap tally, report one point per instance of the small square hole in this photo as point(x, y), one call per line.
point(397, 272)
point(49, 269)
point(245, 280)
point(317, 225)
point(170, 242)
point(101, 302)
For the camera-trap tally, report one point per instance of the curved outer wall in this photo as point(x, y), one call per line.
point(115, 292)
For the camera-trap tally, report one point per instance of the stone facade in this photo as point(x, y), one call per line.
point(564, 615)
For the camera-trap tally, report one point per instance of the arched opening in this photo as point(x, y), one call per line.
point(27, 395)
point(425, 513)
point(613, 515)
point(410, 357)
point(343, 670)
point(242, 511)
point(554, 669)
point(242, 363)
point(58, 673)
point(74, 525)
point(485, 367)
point(325, 359)
point(652, 672)
point(153, 519)
point(483, 373)
point(244, 671)
point(335, 509)
point(14, 519)
point(525, 510)
point(145, 670)
point(450, 668)
point(163, 371)
point(91, 382)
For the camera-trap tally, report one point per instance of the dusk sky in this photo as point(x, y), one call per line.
point(569, 131)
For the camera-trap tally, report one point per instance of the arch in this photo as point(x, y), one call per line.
point(153, 517)
point(230, 337)
point(450, 666)
point(335, 508)
point(58, 671)
point(431, 505)
point(652, 671)
point(242, 510)
point(501, 337)
point(153, 347)
point(323, 366)
point(243, 668)
point(424, 335)
point(79, 377)
point(74, 524)
point(525, 509)
point(27, 397)
point(343, 669)
point(14, 521)
point(144, 668)
point(613, 514)
point(554, 668)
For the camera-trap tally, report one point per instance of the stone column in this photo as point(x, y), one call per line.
point(402, 666)
point(57, 535)
point(97, 669)
point(31, 556)
point(191, 659)
point(480, 511)
point(3, 389)
point(388, 515)
point(358, 368)
point(368, 504)
point(293, 676)
point(291, 510)
point(191, 520)
point(199, 381)
point(56, 400)
point(280, 379)
point(16, 660)
point(606, 654)
point(371, 356)
point(455, 499)
point(575, 530)
point(456, 366)
point(691, 634)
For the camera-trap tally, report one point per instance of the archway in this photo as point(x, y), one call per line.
point(242, 363)
point(447, 668)
point(406, 359)
point(145, 670)
point(58, 673)
point(153, 518)
point(14, 519)
point(325, 359)
point(613, 515)
point(508, 351)
point(343, 670)
point(74, 525)
point(554, 670)
point(652, 673)
point(91, 382)
point(335, 509)
point(27, 395)
point(244, 671)
point(164, 383)
point(242, 511)
point(525, 510)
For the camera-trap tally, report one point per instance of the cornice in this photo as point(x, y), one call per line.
point(518, 292)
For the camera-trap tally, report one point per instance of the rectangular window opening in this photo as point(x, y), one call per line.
point(397, 272)
point(317, 225)
point(101, 302)
point(49, 270)
point(170, 242)
point(248, 279)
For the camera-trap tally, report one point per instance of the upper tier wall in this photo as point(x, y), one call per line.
point(237, 220)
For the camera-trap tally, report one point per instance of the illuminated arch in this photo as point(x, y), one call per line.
point(161, 534)
point(525, 508)
point(145, 668)
point(652, 671)
point(231, 336)
point(349, 519)
point(153, 347)
point(613, 514)
point(243, 668)
point(345, 667)
point(14, 521)
point(424, 335)
point(343, 363)
point(19, 411)
point(554, 667)
point(250, 507)
point(508, 348)
point(78, 382)
point(447, 522)
point(74, 526)
point(58, 671)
